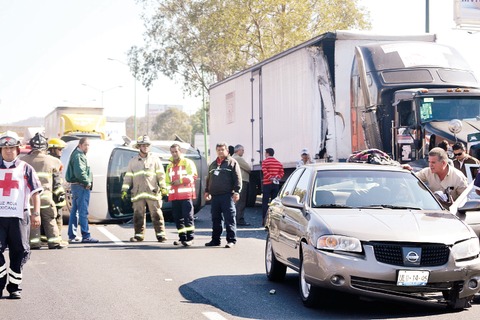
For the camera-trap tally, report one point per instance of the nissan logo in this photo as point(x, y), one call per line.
point(412, 256)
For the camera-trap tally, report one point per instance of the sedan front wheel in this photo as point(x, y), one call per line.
point(275, 269)
point(308, 292)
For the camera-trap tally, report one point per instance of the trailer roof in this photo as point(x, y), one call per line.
point(332, 36)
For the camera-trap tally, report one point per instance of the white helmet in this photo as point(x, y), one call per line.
point(145, 140)
point(9, 139)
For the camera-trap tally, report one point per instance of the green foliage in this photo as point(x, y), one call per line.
point(171, 123)
point(200, 42)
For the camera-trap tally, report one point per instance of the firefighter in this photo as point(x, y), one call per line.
point(20, 184)
point(55, 148)
point(180, 177)
point(48, 170)
point(145, 179)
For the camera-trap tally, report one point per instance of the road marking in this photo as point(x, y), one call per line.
point(110, 236)
point(213, 315)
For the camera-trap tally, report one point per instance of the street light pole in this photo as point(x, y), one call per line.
point(101, 91)
point(134, 97)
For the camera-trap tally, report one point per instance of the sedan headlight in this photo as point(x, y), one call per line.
point(466, 249)
point(339, 243)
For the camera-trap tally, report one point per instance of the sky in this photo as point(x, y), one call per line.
point(55, 53)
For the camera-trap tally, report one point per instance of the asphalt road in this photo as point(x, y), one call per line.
point(116, 279)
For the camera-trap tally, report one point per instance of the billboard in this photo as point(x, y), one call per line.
point(466, 13)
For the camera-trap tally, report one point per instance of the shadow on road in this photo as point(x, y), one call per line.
point(250, 296)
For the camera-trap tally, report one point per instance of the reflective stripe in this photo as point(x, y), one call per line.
point(128, 174)
point(14, 277)
point(35, 240)
point(125, 187)
point(139, 235)
point(145, 195)
point(182, 230)
point(3, 270)
point(161, 234)
point(61, 204)
point(144, 173)
point(58, 191)
point(54, 239)
point(44, 174)
point(191, 228)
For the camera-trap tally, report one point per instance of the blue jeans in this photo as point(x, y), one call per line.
point(223, 209)
point(80, 200)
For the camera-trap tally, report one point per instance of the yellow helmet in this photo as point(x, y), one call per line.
point(56, 143)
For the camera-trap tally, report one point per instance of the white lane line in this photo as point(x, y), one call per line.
point(110, 236)
point(213, 315)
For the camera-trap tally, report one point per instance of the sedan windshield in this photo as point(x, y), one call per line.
point(371, 189)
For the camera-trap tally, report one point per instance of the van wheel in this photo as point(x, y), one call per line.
point(309, 293)
point(275, 269)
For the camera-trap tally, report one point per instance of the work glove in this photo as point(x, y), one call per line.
point(164, 191)
point(124, 195)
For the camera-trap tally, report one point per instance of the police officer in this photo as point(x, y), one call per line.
point(181, 176)
point(48, 170)
point(145, 178)
point(20, 183)
point(55, 148)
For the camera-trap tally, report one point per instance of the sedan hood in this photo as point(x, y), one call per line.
point(395, 225)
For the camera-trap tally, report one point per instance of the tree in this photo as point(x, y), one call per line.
point(170, 123)
point(196, 121)
point(205, 41)
point(142, 126)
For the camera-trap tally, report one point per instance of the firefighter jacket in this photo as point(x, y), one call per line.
point(184, 171)
point(49, 170)
point(145, 177)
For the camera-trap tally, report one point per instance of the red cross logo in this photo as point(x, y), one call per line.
point(8, 184)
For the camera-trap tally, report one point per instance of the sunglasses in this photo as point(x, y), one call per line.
point(458, 154)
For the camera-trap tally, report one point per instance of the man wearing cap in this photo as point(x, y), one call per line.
point(145, 178)
point(305, 158)
point(20, 184)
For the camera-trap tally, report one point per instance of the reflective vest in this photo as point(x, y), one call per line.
point(145, 177)
point(186, 172)
point(17, 183)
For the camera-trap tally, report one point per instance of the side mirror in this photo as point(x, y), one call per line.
point(292, 201)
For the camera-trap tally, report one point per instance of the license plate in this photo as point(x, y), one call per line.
point(412, 278)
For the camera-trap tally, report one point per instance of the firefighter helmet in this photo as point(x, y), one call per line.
point(38, 142)
point(142, 140)
point(9, 139)
point(56, 143)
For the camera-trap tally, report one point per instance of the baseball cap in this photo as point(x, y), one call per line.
point(304, 151)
